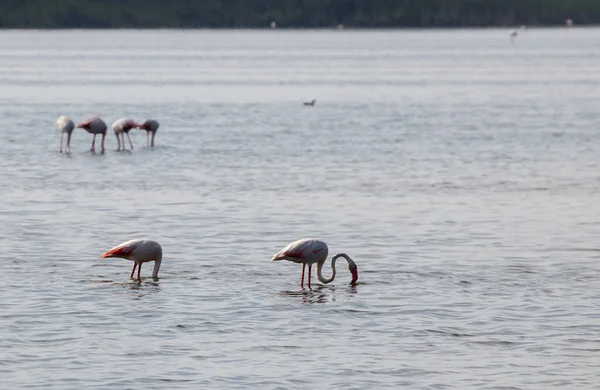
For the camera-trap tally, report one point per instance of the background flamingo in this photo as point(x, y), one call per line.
point(122, 127)
point(151, 126)
point(65, 125)
point(94, 126)
point(309, 251)
point(138, 251)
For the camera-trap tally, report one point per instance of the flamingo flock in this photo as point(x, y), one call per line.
point(306, 251)
point(97, 126)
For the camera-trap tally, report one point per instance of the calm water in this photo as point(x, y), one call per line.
point(459, 171)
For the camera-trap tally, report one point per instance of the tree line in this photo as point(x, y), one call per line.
point(293, 13)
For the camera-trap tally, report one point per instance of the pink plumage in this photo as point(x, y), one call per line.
point(94, 126)
point(138, 251)
point(122, 127)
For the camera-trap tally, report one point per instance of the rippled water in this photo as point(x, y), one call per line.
point(458, 170)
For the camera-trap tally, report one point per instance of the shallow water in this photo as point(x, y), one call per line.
point(459, 171)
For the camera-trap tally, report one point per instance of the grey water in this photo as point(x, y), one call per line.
point(459, 170)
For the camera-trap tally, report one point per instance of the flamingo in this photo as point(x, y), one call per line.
point(513, 35)
point(138, 251)
point(94, 126)
point(122, 127)
point(151, 126)
point(311, 103)
point(65, 125)
point(310, 251)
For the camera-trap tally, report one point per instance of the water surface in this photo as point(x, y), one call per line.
point(458, 170)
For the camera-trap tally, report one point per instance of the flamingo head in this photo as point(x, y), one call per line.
point(354, 271)
point(351, 266)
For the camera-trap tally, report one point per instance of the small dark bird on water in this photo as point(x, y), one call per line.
point(311, 103)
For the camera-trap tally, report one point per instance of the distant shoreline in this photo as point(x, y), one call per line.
point(299, 15)
point(266, 29)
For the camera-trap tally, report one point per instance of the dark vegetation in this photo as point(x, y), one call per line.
point(292, 13)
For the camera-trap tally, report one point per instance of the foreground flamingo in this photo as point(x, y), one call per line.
point(94, 126)
point(138, 251)
point(122, 127)
point(151, 126)
point(65, 125)
point(309, 251)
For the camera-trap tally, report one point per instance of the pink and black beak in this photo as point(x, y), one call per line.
point(354, 271)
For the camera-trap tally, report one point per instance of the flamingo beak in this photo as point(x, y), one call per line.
point(354, 275)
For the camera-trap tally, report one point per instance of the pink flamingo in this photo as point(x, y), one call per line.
point(94, 126)
point(138, 251)
point(122, 127)
point(151, 126)
point(309, 251)
point(65, 125)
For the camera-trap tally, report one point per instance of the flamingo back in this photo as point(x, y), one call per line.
point(123, 124)
point(137, 250)
point(305, 250)
point(93, 125)
point(150, 125)
point(65, 124)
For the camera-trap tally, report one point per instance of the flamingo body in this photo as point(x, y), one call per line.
point(308, 251)
point(122, 127)
point(65, 125)
point(305, 251)
point(151, 126)
point(94, 126)
point(138, 251)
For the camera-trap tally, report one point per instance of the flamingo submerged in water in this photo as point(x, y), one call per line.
point(151, 126)
point(310, 251)
point(65, 125)
point(138, 251)
point(94, 126)
point(122, 127)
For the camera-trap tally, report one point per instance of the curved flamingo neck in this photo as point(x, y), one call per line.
point(157, 262)
point(351, 266)
point(68, 141)
point(320, 276)
point(156, 268)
